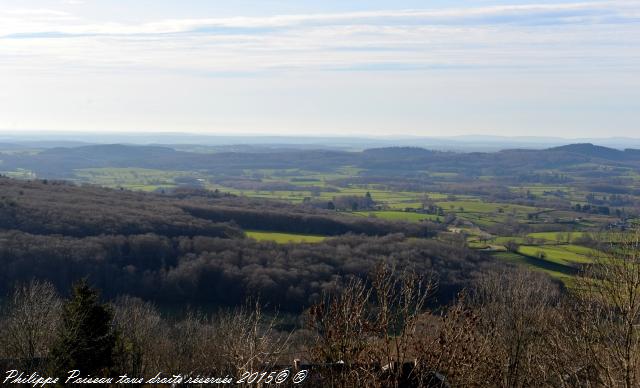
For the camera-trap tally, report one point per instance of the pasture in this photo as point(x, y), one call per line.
point(558, 253)
point(284, 238)
point(398, 215)
point(553, 252)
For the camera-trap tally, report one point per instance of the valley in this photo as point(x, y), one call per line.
point(536, 208)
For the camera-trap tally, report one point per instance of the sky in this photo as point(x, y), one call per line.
point(322, 68)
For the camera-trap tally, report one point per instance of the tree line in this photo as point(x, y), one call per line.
point(213, 271)
point(509, 328)
point(57, 207)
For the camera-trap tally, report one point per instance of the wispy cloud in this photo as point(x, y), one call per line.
point(535, 67)
point(532, 14)
point(558, 35)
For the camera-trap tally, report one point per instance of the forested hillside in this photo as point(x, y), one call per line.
point(190, 247)
point(61, 162)
point(512, 204)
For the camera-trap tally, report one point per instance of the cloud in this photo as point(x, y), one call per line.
point(553, 65)
point(532, 14)
point(33, 12)
point(556, 36)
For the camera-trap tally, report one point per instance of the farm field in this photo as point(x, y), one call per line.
point(19, 174)
point(557, 271)
point(558, 254)
point(131, 178)
point(485, 207)
point(556, 236)
point(398, 215)
point(481, 219)
point(502, 240)
point(284, 238)
point(559, 260)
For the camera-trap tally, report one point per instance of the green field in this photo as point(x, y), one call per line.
point(548, 251)
point(558, 271)
point(284, 238)
point(553, 236)
point(397, 215)
point(19, 174)
point(141, 179)
point(505, 239)
point(484, 207)
point(565, 255)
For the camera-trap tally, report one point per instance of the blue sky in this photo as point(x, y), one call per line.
point(434, 68)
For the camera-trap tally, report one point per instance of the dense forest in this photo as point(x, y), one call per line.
point(56, 207)
point(190, 247)
point(509, 328)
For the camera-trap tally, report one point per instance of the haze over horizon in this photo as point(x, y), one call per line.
point(378, 68)
point(464, 143)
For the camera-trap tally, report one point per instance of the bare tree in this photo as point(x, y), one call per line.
point(143, 336)
point(515, 308)
point(367, 333)
point(227, 343)
point(186, 340)
point(400, 302)
point(32, 316)
point(607, 313)
point(342, 328)
point(454, 347)
point(247, 340)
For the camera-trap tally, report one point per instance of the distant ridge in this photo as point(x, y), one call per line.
point(115, 148)
point(403, 151)
point(63, 162)
point(595, 151)
point(474, 143)
point(10, 145)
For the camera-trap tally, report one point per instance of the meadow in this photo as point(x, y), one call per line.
point(405, 216)
point(283, 238)
point(552, 250)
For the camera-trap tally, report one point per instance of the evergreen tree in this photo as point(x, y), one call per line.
point(86, 339)
point(368, 200)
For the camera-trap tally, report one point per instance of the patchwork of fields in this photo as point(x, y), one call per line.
point(553, 249)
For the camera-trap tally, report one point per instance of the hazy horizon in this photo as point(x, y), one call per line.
point(470, 143)
point(25, 133)
point(336, 68)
